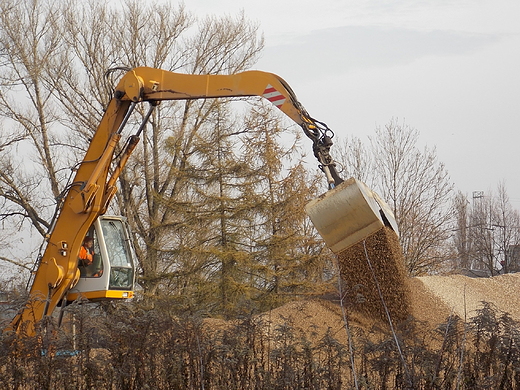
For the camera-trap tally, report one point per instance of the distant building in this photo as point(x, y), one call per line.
point(475, 273)
point(513, 258)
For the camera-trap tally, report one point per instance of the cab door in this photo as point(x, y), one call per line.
point(111, 273)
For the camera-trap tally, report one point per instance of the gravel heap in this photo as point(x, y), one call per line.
point(431, 299)
point(463, 295)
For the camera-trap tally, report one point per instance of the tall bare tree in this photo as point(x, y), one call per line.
point(57, 55)
point(461, 227)
point(491, 232)
point(32, 162)
point(416, 186)
point(506, 225)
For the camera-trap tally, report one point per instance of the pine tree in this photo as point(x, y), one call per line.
point(288, 258)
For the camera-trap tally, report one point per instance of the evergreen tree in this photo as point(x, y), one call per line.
point(288, 258)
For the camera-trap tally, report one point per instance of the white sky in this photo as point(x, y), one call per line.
point(449, 68)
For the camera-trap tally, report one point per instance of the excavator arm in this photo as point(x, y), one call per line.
point(149, 84)
point(92, 189)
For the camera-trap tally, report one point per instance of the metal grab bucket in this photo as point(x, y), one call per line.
point(349, 213)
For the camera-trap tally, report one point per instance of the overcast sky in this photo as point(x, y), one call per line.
point(449, 68)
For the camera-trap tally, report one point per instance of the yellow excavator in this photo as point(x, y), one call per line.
point(60, 275)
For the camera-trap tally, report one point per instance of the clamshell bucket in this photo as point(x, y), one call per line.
point(349, 213)
point(361, 230)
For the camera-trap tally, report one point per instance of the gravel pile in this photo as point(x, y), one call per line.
point(431, 299)
point(464, 295)
point(312, 318)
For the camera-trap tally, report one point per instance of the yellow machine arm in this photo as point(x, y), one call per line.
point(92, 190)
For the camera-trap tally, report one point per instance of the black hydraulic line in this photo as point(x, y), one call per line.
point(153, 104)
point(127, 116)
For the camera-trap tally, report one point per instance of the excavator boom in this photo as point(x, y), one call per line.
point(142, 84)
point(149, 84)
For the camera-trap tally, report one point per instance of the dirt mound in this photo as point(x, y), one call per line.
point(312, 318)
point(426, 305)
point(431, 299)
point(464, 295)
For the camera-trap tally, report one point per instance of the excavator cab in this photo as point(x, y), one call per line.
point(110, 271)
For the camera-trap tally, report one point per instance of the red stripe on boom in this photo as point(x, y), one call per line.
point(275, 97)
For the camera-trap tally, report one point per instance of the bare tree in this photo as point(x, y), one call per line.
point(58, 56)
point(481, 233)
point(415, 184)
point(31, 163)
point(506, 225)
point(490, 232)
point(461, 228)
